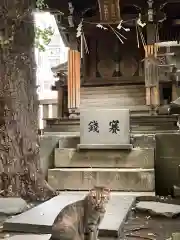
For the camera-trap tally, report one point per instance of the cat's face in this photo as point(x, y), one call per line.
point(99, 197)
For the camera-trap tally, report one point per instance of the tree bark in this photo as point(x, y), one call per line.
point(20, 173)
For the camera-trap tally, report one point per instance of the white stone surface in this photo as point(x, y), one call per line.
point(10, 206)
point(102, 134)
point(42, 216)
point(30, 237)
point(159, 208)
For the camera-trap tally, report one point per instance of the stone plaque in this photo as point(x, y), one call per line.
point(105, 126)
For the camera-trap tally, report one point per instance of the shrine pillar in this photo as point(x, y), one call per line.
point(151, 78)
point(60, 101)
point(73, 82)
point(151, 69)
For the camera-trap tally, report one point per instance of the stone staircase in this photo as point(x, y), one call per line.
point(121, 170)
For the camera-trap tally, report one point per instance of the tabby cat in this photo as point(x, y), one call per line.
point(80, 220)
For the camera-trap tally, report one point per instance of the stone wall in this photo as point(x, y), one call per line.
point(167, 160)
point(47, 146)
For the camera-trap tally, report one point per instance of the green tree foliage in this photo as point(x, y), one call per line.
point(43, 37)
point(40, 4)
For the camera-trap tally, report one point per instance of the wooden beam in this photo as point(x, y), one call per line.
point(74, 62)
point(151, 68)
point(151, 34)
point(60, 101)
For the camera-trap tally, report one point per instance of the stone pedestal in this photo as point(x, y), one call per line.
point(105, 129)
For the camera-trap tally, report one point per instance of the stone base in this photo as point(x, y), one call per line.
point(167, 163)
point(72, 139)
point(176, 191)
point(73, 116)
point(47, 146)
point(74, 113)
point(136, 158)
point(105, 146)
point(139, 124)
point(135, 179)
point(69, 141)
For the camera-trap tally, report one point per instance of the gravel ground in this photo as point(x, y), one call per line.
point(144, 226)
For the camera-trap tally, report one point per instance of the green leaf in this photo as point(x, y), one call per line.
point(43, 37)
point(40, 4)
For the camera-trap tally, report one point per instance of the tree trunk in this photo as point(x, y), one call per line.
point(20, 173)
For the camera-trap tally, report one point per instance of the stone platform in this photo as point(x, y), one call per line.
point(117, 179)
point(104, 146)
point(135, 158)
point(127, 170)
point(139, 123)
point(39, 220)
point(72, 139)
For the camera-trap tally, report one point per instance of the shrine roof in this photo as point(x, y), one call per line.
point(60, 68)
point(166, 12)
point(173, 6)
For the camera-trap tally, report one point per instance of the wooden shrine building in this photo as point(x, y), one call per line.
point(122, 54)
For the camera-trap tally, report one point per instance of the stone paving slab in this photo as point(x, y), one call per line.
point(11, 206)
point(40, 218)
point(116, 214)
point(30, 237)
point(159, 208)
point(176, 236)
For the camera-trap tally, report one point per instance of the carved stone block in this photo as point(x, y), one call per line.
point(105, 126)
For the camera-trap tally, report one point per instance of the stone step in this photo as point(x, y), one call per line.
point(138, 140)
point(142, 195)
point(117, 179)
point(138, 123)
point(163, 127)
point(135, 158)
point(63, 128)
point(62, 134)
point(69, 141)
point(149, 128)
point(143, 140)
